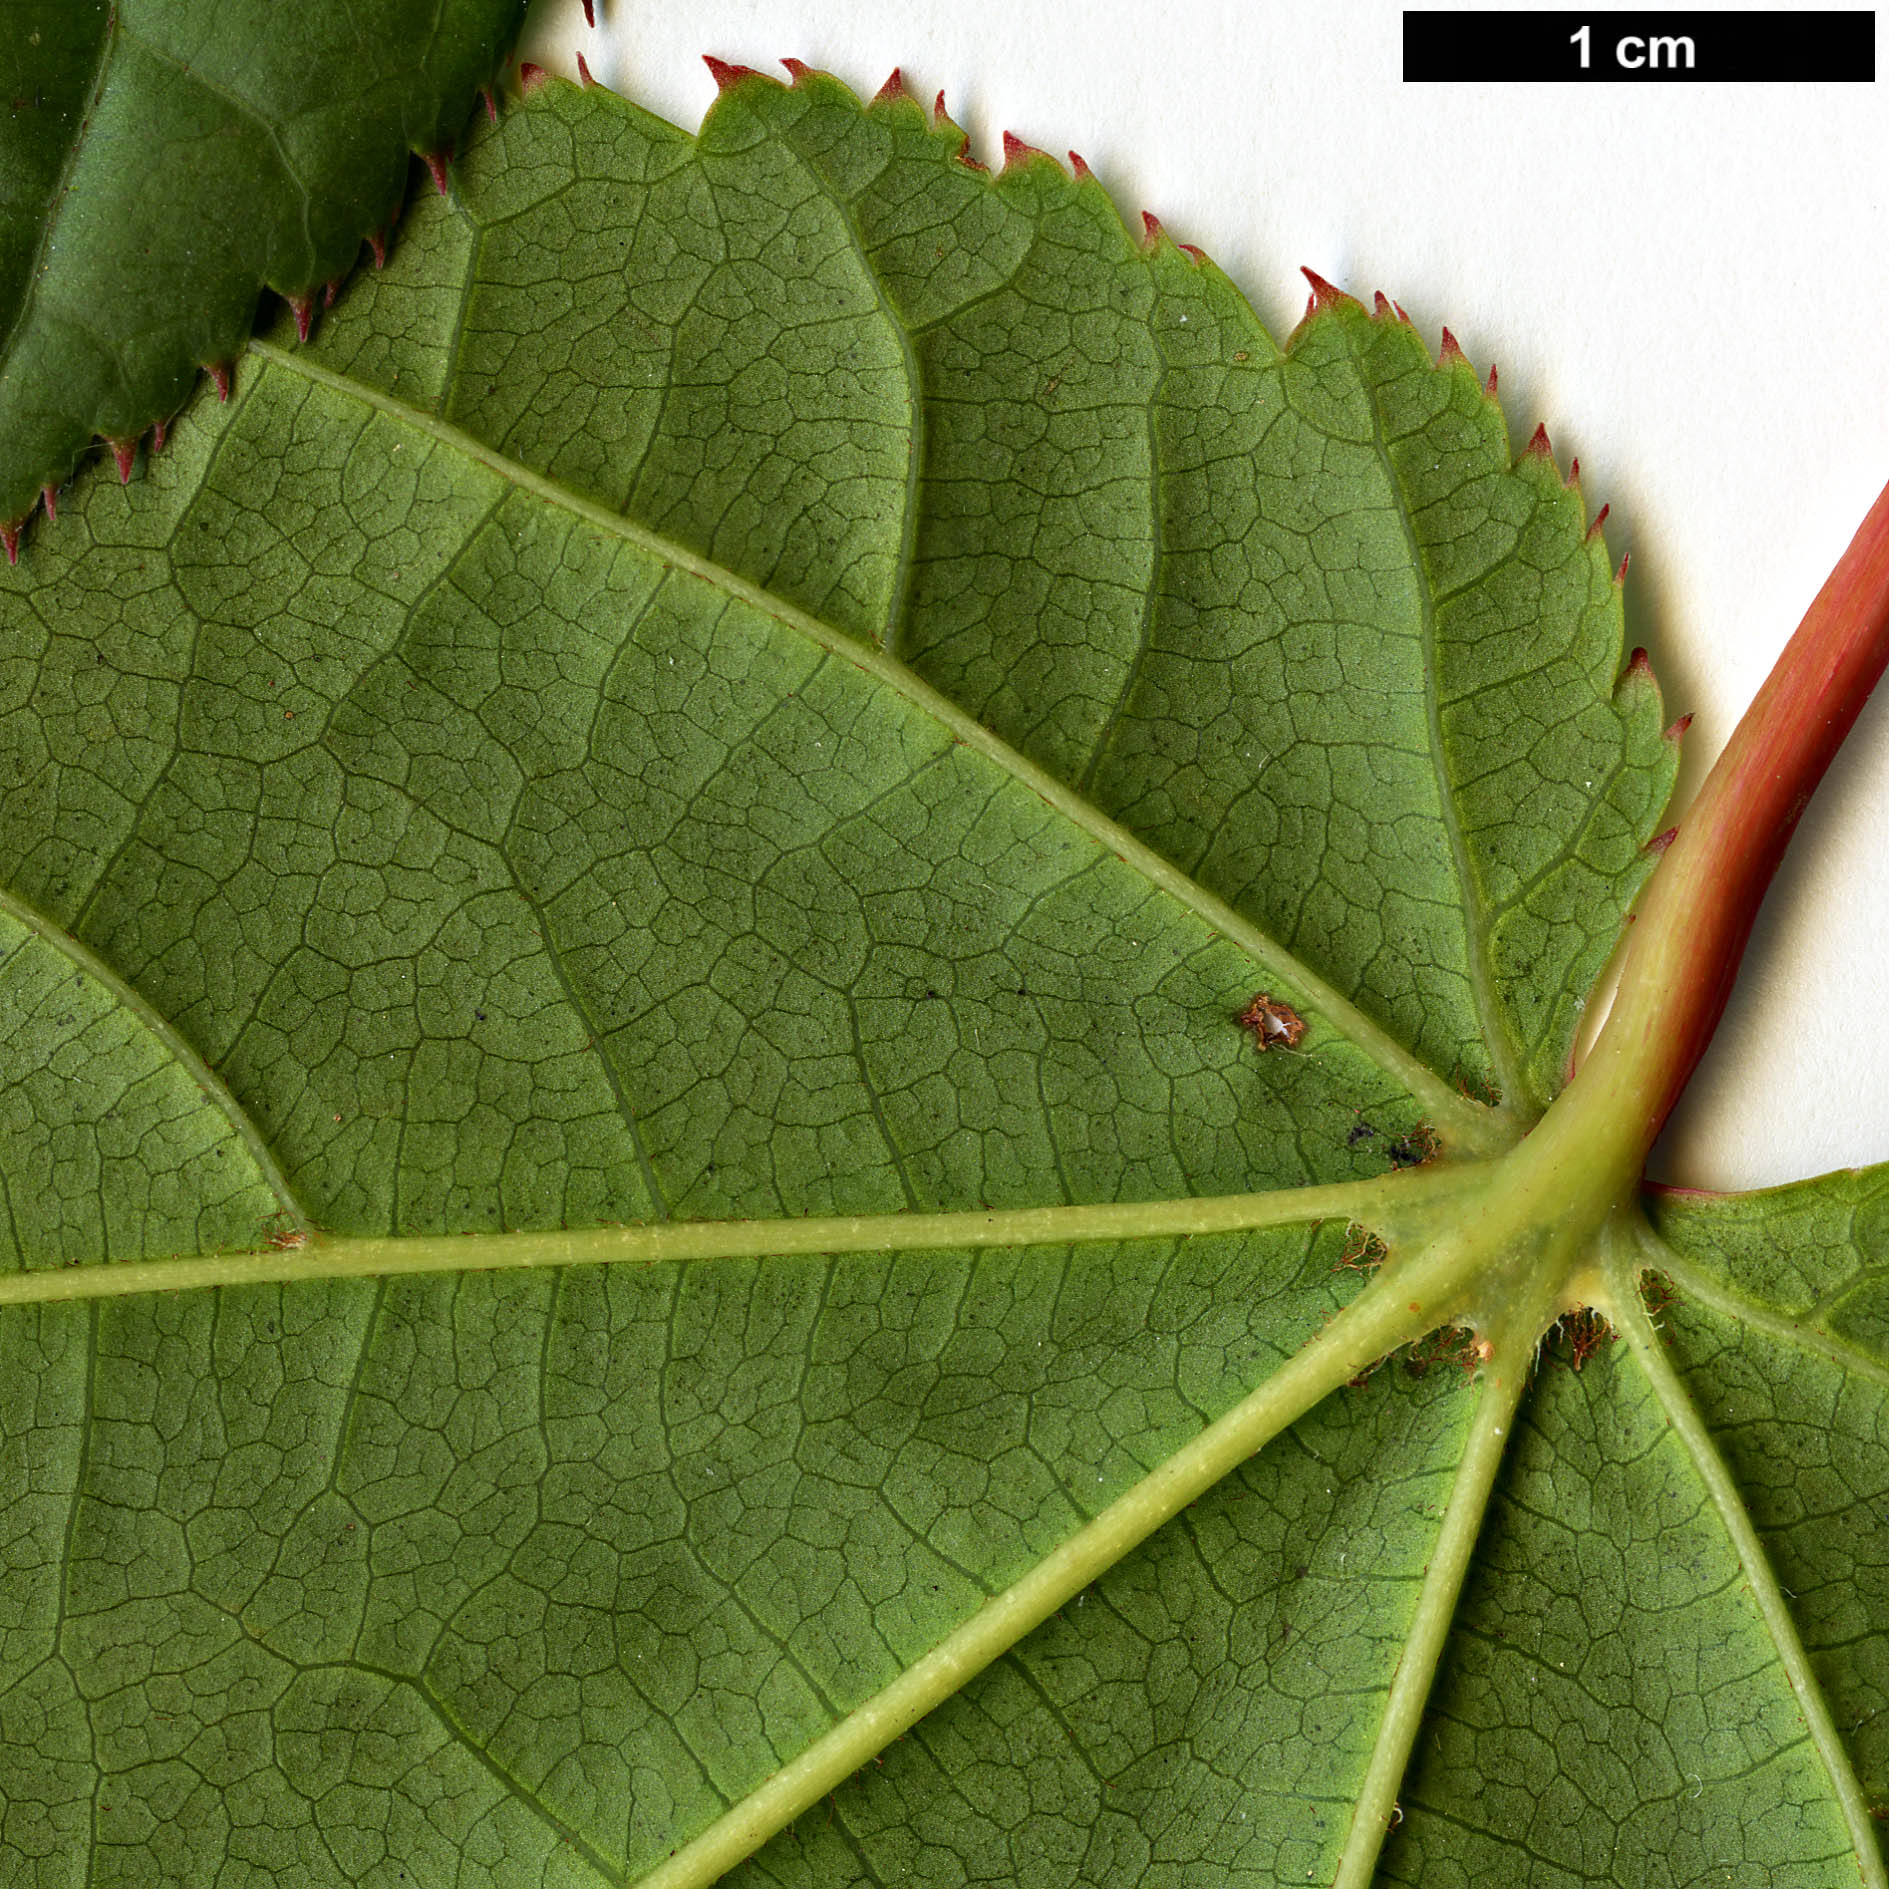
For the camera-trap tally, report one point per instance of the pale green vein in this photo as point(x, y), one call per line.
point(1507, 1070)
point(1695, 1283)
point(1383, 1318)
point(1503, 1380)
point(1682, 1413)
point(91, 965)
point(319, 1256)
point(1461, 1123)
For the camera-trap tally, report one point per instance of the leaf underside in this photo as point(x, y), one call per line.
point(162, 162)
point(777, 674)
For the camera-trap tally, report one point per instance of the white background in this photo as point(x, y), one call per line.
point(1687, 283)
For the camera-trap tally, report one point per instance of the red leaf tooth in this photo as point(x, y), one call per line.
point(437, 162)
point(725, 75)
point(1078, 165)
point(967, 160)
point(1638, 668)
point(590, 14)
point(1017, 152)
point(530, 77)
point(1538, 446)
point(1198, 256)
point(1488, 386)
point(1620, 576)
point(1677, 732)
point(1451, 351)
point(329, 290)
point(583, 73)
point(939, 116)
point(1401, 316)
point(1382, 307)
point(490, 103)
point(1151, 230)
point(159, 434)
point(1574, 475)
point(219, 371)
point(892, 90)
point(1324, 294)
point(125, 451)
point(1600, 518)
point(10, 539)
point(49, 497)
point(1660, 841)
point(303, 308)
point(797, 69)
point(377, 247)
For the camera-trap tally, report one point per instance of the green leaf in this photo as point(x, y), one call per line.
point(684, 808)
point(162, 163)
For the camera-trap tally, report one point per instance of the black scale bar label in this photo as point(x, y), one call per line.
point(1641, 48)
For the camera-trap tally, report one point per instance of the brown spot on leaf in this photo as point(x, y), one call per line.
point(1270, 1023)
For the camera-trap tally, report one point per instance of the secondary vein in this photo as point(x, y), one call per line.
point(175, 1044)
point(324, 1257)
point(1462, 1123)
point(1489, 1008)
point(1695, 1283)
point(1372, 1324)
point(1504, 1379)
point(1631, 1319)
